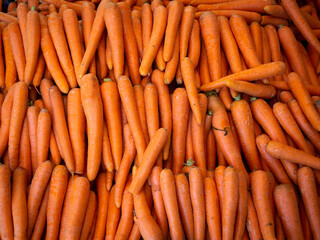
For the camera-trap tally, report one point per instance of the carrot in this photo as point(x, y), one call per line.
point(58, 188)
point(292, 53)
point(230, 201)
point(168, 191)
point(137, 30)
point(17, 44)
point(189, 146)
point(159, 207)
point(76, 125)
point(265, 117)
point(39, 70)
point(164, 107)
point(51, 57)
point(38, 186)
point(146, 24)
point(256, 33)
point(32, 115)
point(248, 5)
point(56, 30)
point(275, 21)
point(10, 70)
point(276, 11)
point(309, 66)
point(19, 203)
point(129, 103)
point(241, 110)
point(189, 80)
point(288, 123)
point(313, 54)
point(244, 40)
point(128, 156)
point(172, 64)
point(43, 135)
point(303, 97)
point(211, 35)
point(261, 199)
point(148, 227)
point(285, 152)
point(225, 139)
point(175, 13)
point(113, 217)
point(77, 208)
point(287, 207)
point(197, 201)
point(194, 44)
point(126, 220)
point(263, 71)
point(22, 12)
point(252, 222)
point(180, 110)
point(300, 22)
point(242, 208)
point(7, 18)
point(19, 109)
point(307, 186)
point(304, 222)
point(90, 96)
point(107, 159)
point(130, 44)
point(25, 151)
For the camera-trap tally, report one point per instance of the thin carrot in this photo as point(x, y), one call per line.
point(130, 107)
point(304, 222)
point(112, 218)
point(90, 96)
point(287, 207)
point(137, 30)
point(107, 159)
point(309, 66)
point(58, 188)
point(172, 65)
point(19, 203)
point(276, 11)
point(252, 222)
point(11, 71)
point(22, 12)
point(168, 191)
point(256, 33)
point(25, 150)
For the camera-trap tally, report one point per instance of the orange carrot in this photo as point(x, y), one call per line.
point(25, 150)
point(185, 29)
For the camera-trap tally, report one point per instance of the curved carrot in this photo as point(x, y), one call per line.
point(38, 186)
point(19, 203)
point(287, 207)
point(168, 191)
point(160, 20)
point(58, 119)
point(90, 96)
point(164, 107)
point(58, 188)
point(114, 23)
point(32, 45)
point(76, 124)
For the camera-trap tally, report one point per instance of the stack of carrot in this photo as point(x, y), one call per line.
point(162, 120)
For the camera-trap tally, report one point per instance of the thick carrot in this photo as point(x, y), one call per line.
point(37, 188)
point(168, 191)
point(211, 35)
point(58, 36)
point(285, 152)
point(58, 119)
point(263, 71)
point(130, 106)
point(32, 45)
point(274, 164)
point(244, 40)
point(58, 188)
point(242, 208)
point(19, 203)
point(242, 117)
point(265, 117)
point(19, 109)
point(300, 22)
point(77, 209)
point(160, 19)
point(248, 5)
point(185, 29)
point(308, 190)
point(51, 57)
point(261, 198)
point(303, 97)
point(197, 201)
point(164, 107)
point(102, 207)
point(43, 135)
point(114, 24)
point(76, 125)
point(180, 116)
point(126, 220)
point(189, 80)
point(71, 26)
point(137, 30)
point(17, 45)
point(230, 202)
point(130, 43)
point(90, 96)
point(287, 207)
